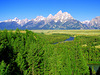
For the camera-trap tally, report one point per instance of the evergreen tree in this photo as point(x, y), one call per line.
point(4, 69)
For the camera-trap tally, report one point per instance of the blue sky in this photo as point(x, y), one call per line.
point(79, 9)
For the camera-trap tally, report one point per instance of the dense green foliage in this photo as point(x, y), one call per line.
point(35, 54)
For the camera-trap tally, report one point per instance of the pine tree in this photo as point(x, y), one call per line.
point(4, 69)
point(20, 62)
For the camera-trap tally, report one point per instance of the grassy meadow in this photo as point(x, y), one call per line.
point(71, 32)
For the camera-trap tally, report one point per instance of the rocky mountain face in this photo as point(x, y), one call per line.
point(9, 25)
point(58, 21)
point(93, 24)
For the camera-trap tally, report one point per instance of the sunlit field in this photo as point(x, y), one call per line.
point(72, 32)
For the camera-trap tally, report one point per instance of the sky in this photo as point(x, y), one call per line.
point(79, 9)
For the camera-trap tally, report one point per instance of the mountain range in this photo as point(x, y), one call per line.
point(60, 21)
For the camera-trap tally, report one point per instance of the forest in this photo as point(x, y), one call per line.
point(29, 53)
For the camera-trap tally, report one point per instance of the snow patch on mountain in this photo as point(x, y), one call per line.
point(86, 22)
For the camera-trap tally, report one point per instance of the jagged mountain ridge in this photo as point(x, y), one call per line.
point(20, 22)
point(93, 24)
point(58, 21)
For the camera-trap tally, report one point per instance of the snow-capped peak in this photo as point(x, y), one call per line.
point(16, 19)
point(20, 22)
point(39, 18)
point(63, 17)
point(60, 12)
point(24, 21)
point(50, 16)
